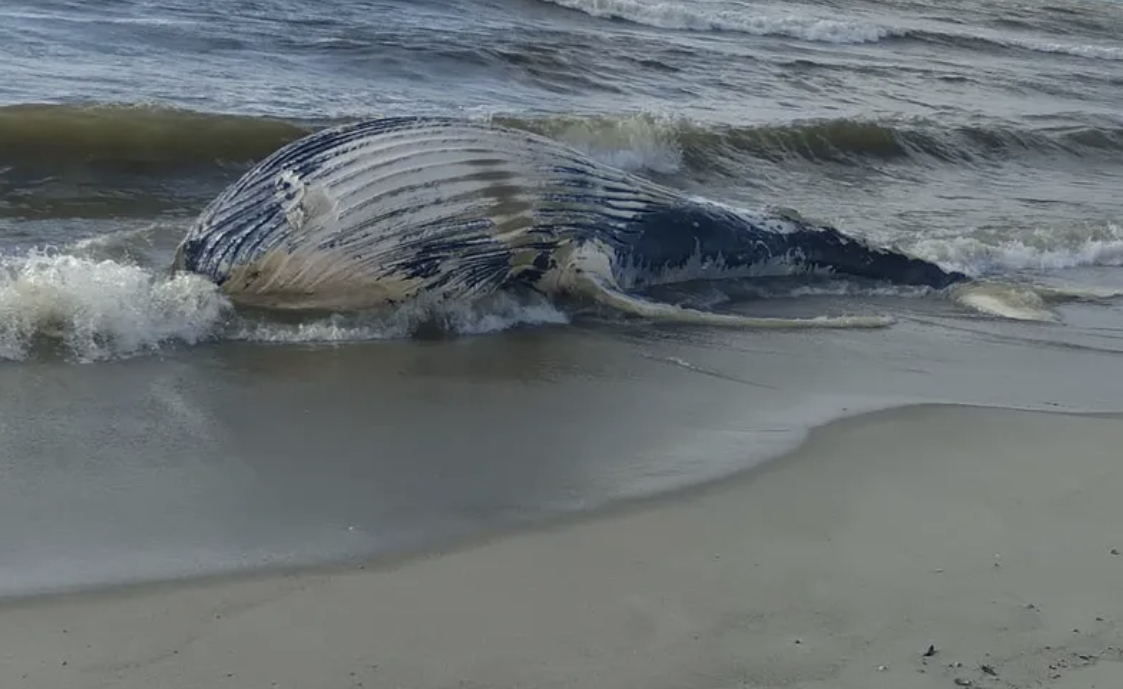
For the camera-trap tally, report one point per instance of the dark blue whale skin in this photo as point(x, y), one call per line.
point(674, 235)
point(651, 232)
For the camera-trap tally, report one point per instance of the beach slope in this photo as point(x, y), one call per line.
point(921, 547)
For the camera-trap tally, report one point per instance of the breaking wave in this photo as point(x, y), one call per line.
point(140, 139)
point(1034, 250)
point(79, 161)
point(999, 41)
point(95, 310)
point(686, 16)
point(664, 144)
point(1096, 52)
point(678, 15)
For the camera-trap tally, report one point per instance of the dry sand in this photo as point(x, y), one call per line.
point(988, 534)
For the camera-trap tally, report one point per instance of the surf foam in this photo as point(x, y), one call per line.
point(688, 16)
point(495, 313)
point(1039, 250)
point(1093, 52)
point(97, 310)
point(684, 16)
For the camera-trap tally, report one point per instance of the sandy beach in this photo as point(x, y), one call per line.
point(923, 547)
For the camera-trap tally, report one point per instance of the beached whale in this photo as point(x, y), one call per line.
point(385, 211)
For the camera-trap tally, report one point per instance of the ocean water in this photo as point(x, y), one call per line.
point(150, 430)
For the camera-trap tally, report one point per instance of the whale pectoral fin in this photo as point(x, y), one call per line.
point(1014, 302)
point(608, 295)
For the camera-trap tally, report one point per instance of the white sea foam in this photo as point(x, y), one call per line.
point(493, 314)
point(692, 17)
point(99, 309)
point(1095, 52)
point(1039, 250)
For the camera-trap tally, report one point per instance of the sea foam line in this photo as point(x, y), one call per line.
point(677, 15)
point(1094, 52)
point(1038, 251)
point(689, 17)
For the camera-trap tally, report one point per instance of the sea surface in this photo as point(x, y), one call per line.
point(149, 430)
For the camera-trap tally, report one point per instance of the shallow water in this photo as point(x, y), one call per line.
point(149, 430)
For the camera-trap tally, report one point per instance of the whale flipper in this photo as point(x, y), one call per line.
point(600, 292)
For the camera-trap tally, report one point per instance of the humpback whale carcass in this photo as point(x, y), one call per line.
point(384, 211)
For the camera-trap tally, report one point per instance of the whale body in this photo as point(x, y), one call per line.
point(380, 212)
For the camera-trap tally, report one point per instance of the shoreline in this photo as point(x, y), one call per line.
point(615, 507)
point(448, 546)
point(783, 571)
point(545, 523)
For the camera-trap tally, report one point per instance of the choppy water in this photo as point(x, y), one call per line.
point(148, 430)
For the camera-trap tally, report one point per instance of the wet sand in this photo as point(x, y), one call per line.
point(988, 536)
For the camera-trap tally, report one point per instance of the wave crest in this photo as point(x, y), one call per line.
point(689, 16)
point(1029, 250)
point(1094, 52)
point(160, 141)
point(663, 144)
point(138, 139)
point(676, 15)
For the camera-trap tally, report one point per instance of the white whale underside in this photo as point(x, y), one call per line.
point(377, 214)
